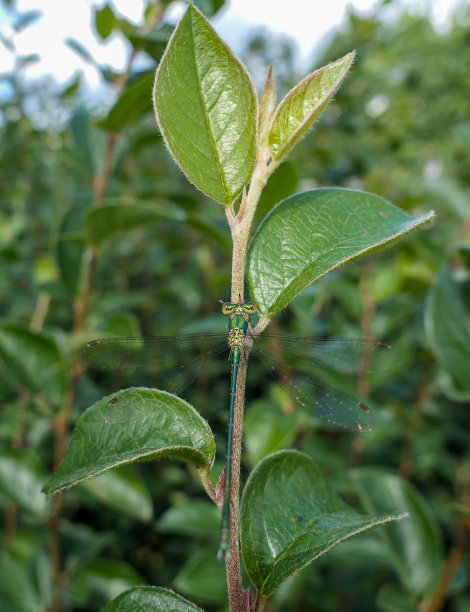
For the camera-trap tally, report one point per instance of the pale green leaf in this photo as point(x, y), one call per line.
point(206, 108)
point(304, 104)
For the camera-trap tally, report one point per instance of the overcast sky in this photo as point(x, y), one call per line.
point(306, 21)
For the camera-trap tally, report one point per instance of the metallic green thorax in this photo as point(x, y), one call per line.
point(239, 314)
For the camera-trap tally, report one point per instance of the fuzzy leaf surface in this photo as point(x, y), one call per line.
point(290, 515)
point(151, 599)
point(303, 105)
point(206, 108)
point(311, 233)
point(144, 424)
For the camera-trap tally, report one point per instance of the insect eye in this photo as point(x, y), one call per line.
point(249, 308)
point(228, 309)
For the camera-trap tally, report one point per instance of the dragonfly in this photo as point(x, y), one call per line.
point(179, 360)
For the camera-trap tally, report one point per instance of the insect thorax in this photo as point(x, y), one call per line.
point(236, 337)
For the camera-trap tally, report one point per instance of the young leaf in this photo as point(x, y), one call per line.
point(151, 599)
point(267, 104)
point(312, 233)
point(304, 104)
point(143, 424)
point(105, 21)
point(415, 545)
point(206, 108)
point(447, 322)
point(290, 515)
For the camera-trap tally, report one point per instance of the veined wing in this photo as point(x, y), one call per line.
point(166, 352)
point(347, 355)
point(323, 401)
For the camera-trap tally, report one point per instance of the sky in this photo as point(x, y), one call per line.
point(306, 21)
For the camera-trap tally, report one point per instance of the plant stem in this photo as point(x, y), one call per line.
point(454, 560)
point(240, 226)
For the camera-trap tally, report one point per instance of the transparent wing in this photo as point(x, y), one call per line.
point(174, 361)
point(324, 402)
point(347, 355)
point(166, 352)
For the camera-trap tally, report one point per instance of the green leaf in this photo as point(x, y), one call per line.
point(267, 429)
point(193, 517)
point(447, 322)
point(89, 143)
point(101, 580)
point(104, 21)
point(33, 359)
point(21, 479)
point(312, 233)
point(290, 515)
point(414, 544)
point(118, 215)
point(124, 490)
point(203, 577)
point(18, 586)
point(150, 599)
point(392, 599)
point(303, 105)
point(206, 108)
point(134, 102)
point(26, 19)
point(143, 424)
point(152, 42)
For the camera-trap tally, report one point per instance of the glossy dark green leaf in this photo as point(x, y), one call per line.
point(304, 104)
point(101, 580)
point(115, 216)
point(124, 490)
point(414, 544)
point(150, 599)
point(206, 109)
point(447, 319)
point(143, 424)
point(70, 249)
point(21, 479)
point(312, 233)
point(192, 517)
point(203, 578)
point(290, 515)
point(33, 360)
point(104, 21)
point(134, 102)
